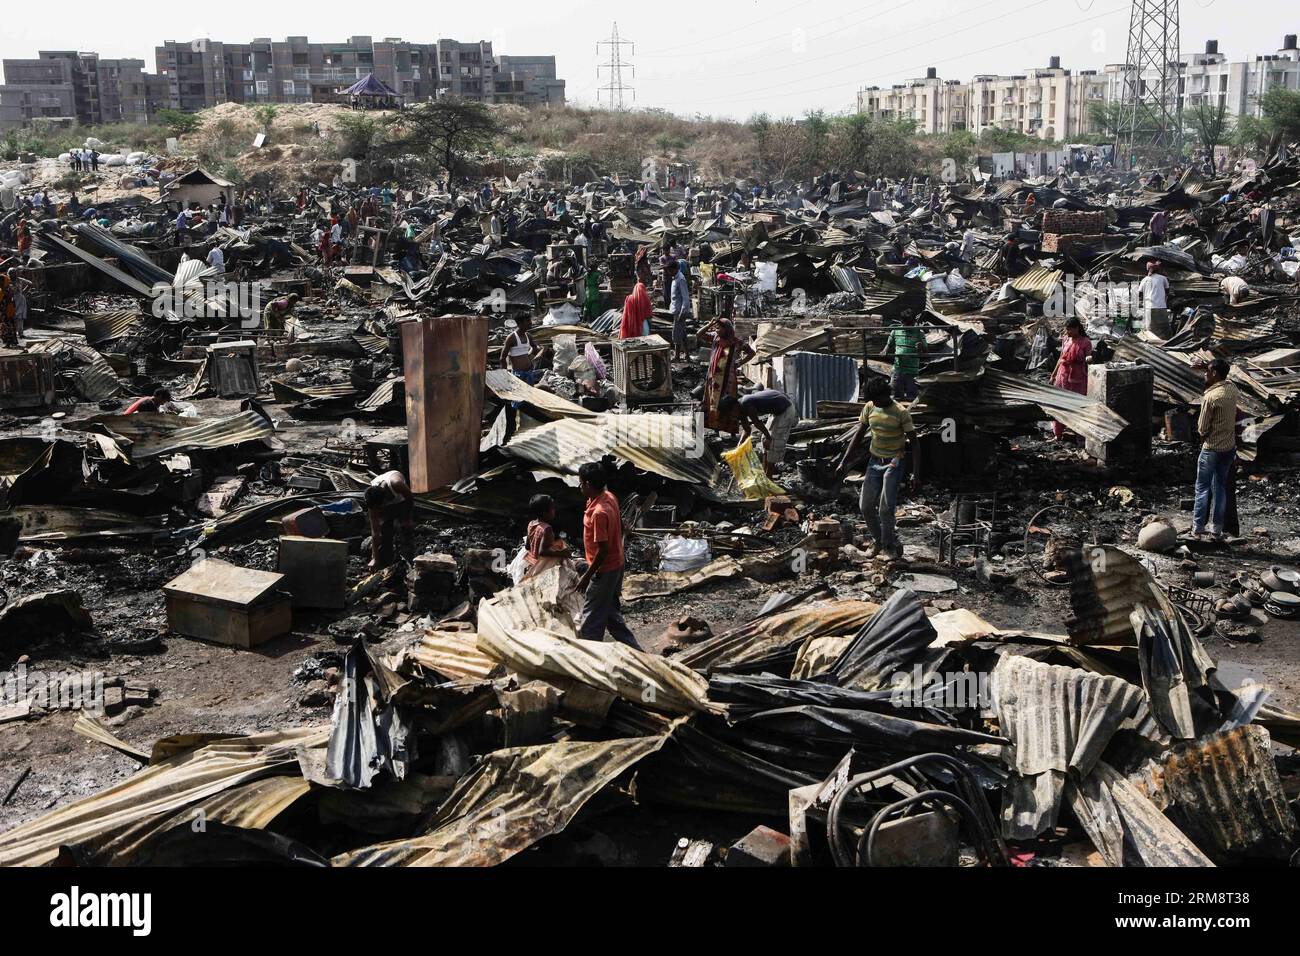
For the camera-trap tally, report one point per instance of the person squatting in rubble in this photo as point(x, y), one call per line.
point(728, 355)
point(159, 403)
point(1235, 289)
point(519, 355)
point(544, 548)
point(1071, 372)
point(1217, 427)
point(390, 505)
point(891, 429)
point(602, 544)
point(752, 408)
point(277, 312)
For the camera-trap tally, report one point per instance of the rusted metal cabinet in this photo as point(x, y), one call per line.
point(26, 379)
point(444, 360)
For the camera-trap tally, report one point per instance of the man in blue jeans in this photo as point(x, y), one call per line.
point(890, 426)
point(1217, 427)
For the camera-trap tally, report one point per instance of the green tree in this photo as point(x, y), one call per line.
point(1105, 118)
point(1209, 125)
point(441, 132)
point(817, 131)
point(357, 134)
point(1253, 134)
point(265, 116)
point(178, 123)
point(1281, 109)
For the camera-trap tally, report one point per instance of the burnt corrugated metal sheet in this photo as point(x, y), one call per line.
point(173, 783)
point(97, 381)
point(1038, 281)
point(1106, 584)
point(811, 377)
point(786, 629)
point(107, 326)
point(1224, 792)
point(889, 643)
point(774, 340)
point(386, 393)
point(512, 799)
point(1081, 415)
point(453, 655)
point(1059, 720)
point(1177, 381)
point(666, 445)
point(155, 435)
point(1125, 826)
point(1116, 601)
point(505, 386)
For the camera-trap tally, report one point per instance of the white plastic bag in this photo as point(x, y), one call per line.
point(683, 554)
point(519, 566)
point(566, 350)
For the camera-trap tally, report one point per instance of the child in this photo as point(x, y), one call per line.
point(545, 550)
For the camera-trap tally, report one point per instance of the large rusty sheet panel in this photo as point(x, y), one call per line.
point(444, 360)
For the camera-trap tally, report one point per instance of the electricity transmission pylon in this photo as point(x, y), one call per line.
point(616, 87)
point(1149, 124)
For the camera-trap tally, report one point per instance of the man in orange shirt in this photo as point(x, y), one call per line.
point(602, 540)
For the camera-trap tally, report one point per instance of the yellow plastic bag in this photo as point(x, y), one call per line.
point(748, 469)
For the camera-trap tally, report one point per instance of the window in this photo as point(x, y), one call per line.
point(288, 87)
point(263, 87)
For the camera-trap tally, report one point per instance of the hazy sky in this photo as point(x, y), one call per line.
point(719, 57)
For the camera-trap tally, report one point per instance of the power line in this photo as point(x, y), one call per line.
point(932, 62)
point(668, 52)
point(616, 87)
point(716, 49)
point(876, 42)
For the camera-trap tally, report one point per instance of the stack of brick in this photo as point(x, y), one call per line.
point(432, 583)
point(1067, 229)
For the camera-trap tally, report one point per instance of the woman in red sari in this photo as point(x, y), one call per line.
point(637, 309)
point(729, 353)
point(1071, 371)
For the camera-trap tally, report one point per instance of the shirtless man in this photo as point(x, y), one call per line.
point(389, 501)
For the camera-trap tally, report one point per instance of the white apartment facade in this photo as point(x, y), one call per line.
point(1051, 103)
point(1210, 78)
point(1055, 103)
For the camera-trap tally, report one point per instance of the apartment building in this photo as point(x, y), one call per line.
point(1210, 78)
point(932, 104)
point(66, 87)
point(203, 73)
point(527, 80)
point(1051, 103)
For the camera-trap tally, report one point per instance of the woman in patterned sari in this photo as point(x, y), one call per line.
point(729, 353)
